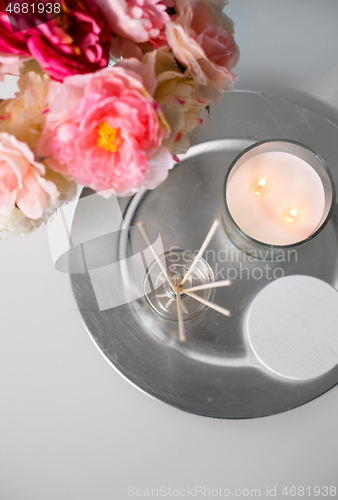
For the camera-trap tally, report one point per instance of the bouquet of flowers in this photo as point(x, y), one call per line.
point(79, 119)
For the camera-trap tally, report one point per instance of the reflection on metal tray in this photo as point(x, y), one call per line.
point(214, 373)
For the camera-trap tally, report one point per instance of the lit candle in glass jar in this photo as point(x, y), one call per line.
point(276, 193)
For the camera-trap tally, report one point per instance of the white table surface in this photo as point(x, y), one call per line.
point(70, 426)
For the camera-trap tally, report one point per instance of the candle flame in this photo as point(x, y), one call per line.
point(291, 215)
point(259, 186)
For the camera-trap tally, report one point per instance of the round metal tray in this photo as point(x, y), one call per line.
point(214, 373)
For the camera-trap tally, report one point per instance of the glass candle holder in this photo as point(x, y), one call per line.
point(278, 195)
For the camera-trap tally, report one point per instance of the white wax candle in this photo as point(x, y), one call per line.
point(276, 198)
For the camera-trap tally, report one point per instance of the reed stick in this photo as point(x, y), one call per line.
point(215, 284)
point(216, 307)
point(155, 254)
point(181, 330)
point(201, 250)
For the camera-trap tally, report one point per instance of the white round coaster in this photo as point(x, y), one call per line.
point(292, 327)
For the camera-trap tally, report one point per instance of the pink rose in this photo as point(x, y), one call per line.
point(137, 20)
point(21, 180)
point(202, 40)
point(76, 42)
point(107, 129)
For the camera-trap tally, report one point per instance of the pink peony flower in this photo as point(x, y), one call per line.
point(146, 38)
point(136, 20)
point(76, 42)
point(107, 129)
point(202, 40)
point(21, 180)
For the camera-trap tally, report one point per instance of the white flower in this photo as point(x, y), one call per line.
point(17, 223)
